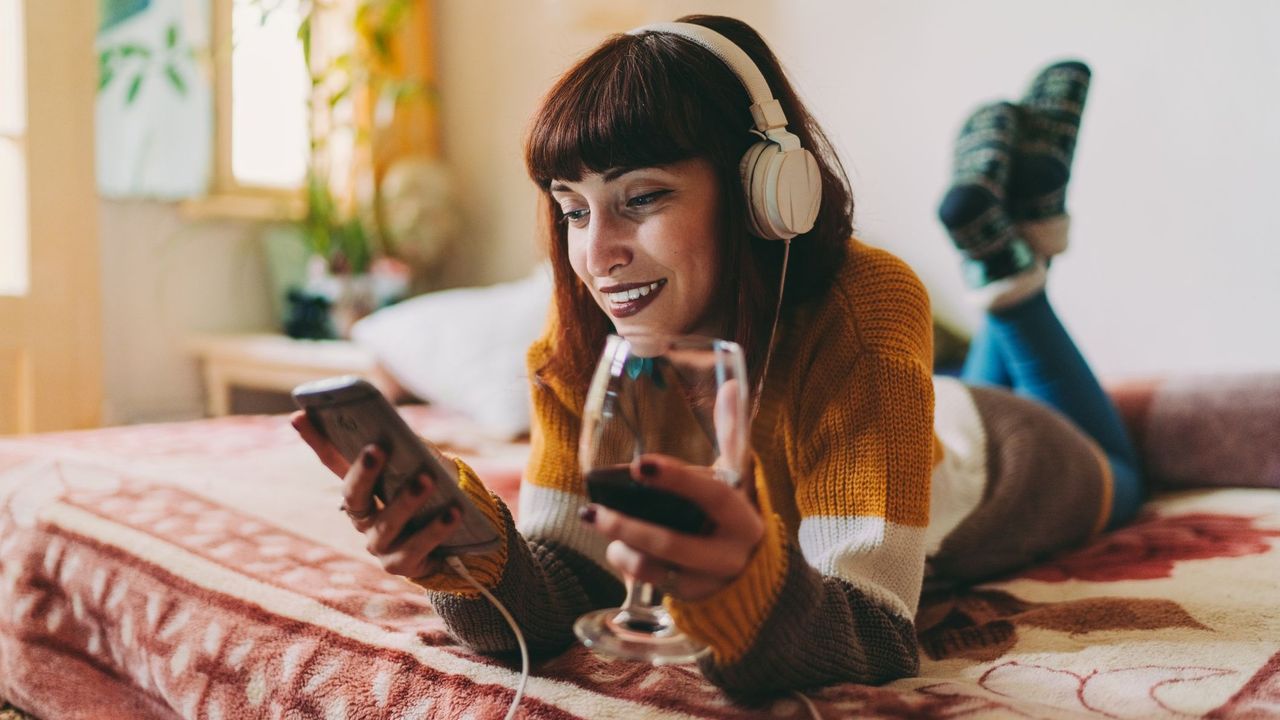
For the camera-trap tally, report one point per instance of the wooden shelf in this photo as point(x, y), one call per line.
point(265, 361)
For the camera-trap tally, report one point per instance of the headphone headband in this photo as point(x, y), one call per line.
point(766, 111)
point(781, 179)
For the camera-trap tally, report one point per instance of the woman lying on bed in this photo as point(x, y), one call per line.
point(814, 577)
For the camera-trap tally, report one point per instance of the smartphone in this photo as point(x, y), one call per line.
point(352, 414)
point(614, 488)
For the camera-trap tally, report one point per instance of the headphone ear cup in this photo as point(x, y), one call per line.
point(783, 190)
point(794, 192)
point(756, 190)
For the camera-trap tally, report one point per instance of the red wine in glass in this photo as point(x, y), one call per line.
point(614, 488)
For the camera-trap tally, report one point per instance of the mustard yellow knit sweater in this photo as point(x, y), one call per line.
point(844, 449)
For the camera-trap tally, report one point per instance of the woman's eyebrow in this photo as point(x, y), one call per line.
point(609, 176)
point(618, 172)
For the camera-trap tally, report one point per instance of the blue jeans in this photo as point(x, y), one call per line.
point(1026, 349)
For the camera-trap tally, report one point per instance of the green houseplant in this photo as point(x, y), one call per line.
point(358, 85)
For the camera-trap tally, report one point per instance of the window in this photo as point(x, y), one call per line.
point(349, 113)
point(262, 92)
point(13, 165)
point(269, 95)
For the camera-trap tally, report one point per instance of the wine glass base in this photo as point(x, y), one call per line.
point(653, 639)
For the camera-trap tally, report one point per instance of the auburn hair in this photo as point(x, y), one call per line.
point(654, 99)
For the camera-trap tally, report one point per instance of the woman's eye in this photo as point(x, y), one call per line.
point(647, 198)
point(575, 217)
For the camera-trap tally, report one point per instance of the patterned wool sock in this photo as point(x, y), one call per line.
point(998, 266)
point(972, 210)
point(1048, 123)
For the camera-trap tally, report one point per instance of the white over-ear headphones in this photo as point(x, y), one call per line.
point(781, 179)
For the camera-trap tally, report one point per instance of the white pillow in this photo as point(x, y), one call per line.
point(465, 348)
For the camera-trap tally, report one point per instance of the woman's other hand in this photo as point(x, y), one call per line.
point(383, 525)
point(689, 567)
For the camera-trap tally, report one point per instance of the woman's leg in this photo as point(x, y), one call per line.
point(1044, 363)
point(984, 364)
point(1006, 213)
point(1128, 492)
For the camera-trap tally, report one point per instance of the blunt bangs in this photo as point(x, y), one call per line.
point(637, 101)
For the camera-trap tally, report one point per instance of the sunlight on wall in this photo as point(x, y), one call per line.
point(13, 121)
point(269, 86)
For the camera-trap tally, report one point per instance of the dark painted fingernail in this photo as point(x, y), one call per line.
point(649, 469)
point(587, 514)
point(369, 459)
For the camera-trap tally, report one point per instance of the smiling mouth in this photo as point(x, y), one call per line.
point(628, 302)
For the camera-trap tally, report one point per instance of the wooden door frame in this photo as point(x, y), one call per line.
point(51, 338)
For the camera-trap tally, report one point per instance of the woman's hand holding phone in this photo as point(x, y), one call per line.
point(382, 524)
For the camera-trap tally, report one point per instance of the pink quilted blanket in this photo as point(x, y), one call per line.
point(202, 570)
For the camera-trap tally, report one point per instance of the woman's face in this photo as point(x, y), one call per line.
point(644, 242)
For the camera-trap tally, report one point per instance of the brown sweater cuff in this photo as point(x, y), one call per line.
point(728, 620)
point(487, 567)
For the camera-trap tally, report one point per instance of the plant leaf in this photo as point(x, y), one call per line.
point(131, 49)
point(171, 36)
point(381, 40)
point(304, 34)
point(337, 97)
point(134, 88)
point(175, 78)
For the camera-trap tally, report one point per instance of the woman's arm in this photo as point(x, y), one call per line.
point(552, 570)
point(836, 604)
point(545, 584)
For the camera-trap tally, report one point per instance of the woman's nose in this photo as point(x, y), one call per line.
point(608, 245)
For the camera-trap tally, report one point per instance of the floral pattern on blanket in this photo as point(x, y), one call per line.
point(1105, 693)
point(982, 624)
point(204, 571)
point(1153, 545)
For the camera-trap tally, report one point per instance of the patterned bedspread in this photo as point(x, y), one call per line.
point(203, 570)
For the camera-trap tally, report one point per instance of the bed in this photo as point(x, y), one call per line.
point(203, 570)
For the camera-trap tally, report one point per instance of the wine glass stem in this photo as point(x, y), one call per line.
point(640, 596)
point(641, 612)
point(647, 595)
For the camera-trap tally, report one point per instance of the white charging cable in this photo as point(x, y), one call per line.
point(773, 331)
point(461, 569)
point(813, 711)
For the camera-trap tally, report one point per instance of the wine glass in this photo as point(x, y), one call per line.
point(677, 395)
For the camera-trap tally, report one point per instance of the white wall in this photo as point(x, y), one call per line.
point(164, 277)
point(1176, 247)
